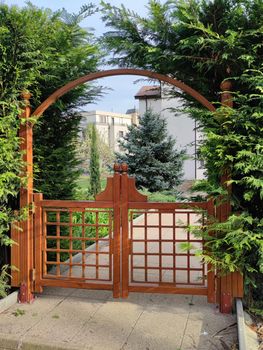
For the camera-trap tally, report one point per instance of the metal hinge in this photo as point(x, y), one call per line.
point(33, 275)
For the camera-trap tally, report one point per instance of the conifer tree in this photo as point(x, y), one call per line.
point(95, 186)
point(151, 155)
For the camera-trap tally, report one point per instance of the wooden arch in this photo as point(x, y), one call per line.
point(121, 71)
point(22, 254)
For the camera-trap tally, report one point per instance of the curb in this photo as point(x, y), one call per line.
point(241, 326)
point(247, 338)
point(8, 301)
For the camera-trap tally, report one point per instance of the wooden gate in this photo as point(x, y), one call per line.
point(121, 242)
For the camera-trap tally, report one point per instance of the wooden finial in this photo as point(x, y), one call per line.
point(26, 95)
point(124, 167)
point(226, 85)
point(117, 167)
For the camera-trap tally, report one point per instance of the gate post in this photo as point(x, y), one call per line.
point(230, 285)
point(117, 233)
point(38, 197)
point(125, 230)
point(26, 202)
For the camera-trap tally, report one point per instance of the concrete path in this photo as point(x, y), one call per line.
point(82, 319)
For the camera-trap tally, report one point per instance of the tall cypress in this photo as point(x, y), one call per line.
point(95, 185)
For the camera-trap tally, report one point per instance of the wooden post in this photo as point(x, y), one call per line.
point(38, 197)
point(117, 231)
point(26, 201)
point(125, 230)
point(231, 285)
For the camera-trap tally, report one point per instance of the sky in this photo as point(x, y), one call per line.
point(123, 88)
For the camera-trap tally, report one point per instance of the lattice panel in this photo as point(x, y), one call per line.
point(162, 248)
point(77, 243)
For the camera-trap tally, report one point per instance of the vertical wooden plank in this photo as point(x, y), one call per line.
point(211, 287)
point(58, 242)
point(240, 285)
point(160, 247)
point(15, 254)
point(44, 243)
point(83, 245)
point(125, 230)
point(26, 201)
point(116, 231)
point(38, 197)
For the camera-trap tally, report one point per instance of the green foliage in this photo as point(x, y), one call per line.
point(198, 42)
point(10, 171)
point(19, 312)
point(94, 168)
point(40, 51)
point(4, 279)
point(164, 196)
point(151, 155)
point(234, 141)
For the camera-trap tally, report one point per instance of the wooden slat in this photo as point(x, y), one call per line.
point(38, 225)
point(168, 290)
point(75, 284)
point(168, 206)
point(15, 254)
point(75, 204)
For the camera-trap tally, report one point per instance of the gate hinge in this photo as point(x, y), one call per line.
point(33, 275)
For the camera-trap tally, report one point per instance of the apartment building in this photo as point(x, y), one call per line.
point(111, 126)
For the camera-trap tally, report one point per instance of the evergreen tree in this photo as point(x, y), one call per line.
point(200, 42)
point(95, 186)
point(106, 154)
point(151, 155)
point(41, 51)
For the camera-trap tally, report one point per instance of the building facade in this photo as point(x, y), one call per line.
point(180, 126)
point(111, 126)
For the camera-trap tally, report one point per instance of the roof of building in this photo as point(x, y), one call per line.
point(149, 91)
point(131, 111)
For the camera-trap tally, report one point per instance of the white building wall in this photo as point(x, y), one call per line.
point(111, 126)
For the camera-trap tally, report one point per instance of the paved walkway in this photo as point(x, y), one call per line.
point(82, 319)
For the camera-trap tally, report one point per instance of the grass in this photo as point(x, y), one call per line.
point(83, 182)
point(161, 197)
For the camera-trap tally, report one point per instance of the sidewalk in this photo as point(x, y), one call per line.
point(83, 319)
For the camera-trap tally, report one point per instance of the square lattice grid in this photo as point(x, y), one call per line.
point(77, 243)
point(163, 248)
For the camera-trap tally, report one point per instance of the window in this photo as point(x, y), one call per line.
point(103, 119)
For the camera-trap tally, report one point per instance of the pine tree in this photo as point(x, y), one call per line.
point(95, 186)
point(151, 155)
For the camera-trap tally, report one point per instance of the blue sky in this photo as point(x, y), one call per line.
point(124, 89)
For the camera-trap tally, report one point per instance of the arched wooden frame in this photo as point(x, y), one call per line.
point(22, 255)
point(124, 71)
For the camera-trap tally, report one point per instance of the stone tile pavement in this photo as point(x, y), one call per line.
point(93, 320)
